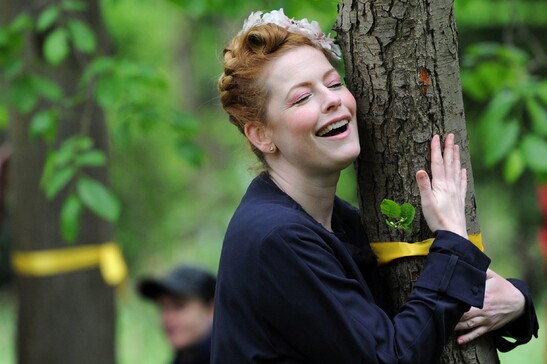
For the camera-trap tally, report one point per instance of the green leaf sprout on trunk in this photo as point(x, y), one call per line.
point(399, 217)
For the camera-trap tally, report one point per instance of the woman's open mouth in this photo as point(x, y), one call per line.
point(333, 129)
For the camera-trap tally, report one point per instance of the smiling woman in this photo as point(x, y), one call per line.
point(297, 280)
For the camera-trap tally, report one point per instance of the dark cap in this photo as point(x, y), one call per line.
point(183, 281)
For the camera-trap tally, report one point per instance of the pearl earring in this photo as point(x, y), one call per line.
point(272, 148)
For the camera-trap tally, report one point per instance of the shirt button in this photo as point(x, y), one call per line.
point(475, 290)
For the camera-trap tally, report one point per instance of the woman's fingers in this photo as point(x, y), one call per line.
point(443, 197)
point(474, 324)
point(446, 167)
point(424, 185)
point(472, 335)
point(457, 168)
point(471, 319)
point(463, 183)
point(437, 165)
point(447, 164)
point(448, 156)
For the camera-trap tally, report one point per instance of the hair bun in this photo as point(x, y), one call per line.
point(266, 39)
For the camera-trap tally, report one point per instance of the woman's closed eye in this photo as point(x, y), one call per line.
point(305, 97)
point(302, 99)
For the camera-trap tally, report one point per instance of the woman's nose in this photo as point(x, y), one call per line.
point(332, 100)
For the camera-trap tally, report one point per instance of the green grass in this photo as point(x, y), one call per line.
point(140, 339)
point(7, 328)
point(535, 352)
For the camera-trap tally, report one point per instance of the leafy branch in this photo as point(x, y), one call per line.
point(120, 87)
point(513, 126)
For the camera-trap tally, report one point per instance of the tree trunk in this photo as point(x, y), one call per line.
point(401, 63)
point(66, 318)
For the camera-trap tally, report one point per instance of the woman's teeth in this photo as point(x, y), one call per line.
point(331, 127)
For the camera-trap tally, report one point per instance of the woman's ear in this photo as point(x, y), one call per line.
point(257, 135)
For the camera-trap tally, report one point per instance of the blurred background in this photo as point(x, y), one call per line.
point(177, 168)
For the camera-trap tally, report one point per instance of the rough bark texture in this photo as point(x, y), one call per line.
point(401, 63)
point(68, 318)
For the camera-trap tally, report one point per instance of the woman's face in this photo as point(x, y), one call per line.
point(310, 114)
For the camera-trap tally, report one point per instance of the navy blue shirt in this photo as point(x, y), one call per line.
point(290, 291)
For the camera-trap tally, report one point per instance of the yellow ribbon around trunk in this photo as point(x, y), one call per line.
point(106, 256)
point(389, 251)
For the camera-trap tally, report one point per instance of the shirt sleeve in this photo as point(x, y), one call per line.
point(314, 311)
point(522, 329)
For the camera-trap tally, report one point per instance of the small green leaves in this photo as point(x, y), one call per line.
point(513, 128)
point(56, 46)
point(47, 18)
point(63, 170)
point(25, 91)
point(20, 23)
point(534, 150)
point(407, 215)
point(44, 125)
point(65, 31)
point(538, 114)
point(92, 158)
point(62, 29)
point(70, 218)
point(514, 166)
point(108, 91)
point(500, 140)
point(399, 217)
point(58, 180)
point(22, 94)
point(391, 209)
point(46, 88)
point(98, 198)
point(82, 37)
point(63, 164)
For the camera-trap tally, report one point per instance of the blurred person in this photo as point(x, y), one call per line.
point(185, 299)
point(298, 281)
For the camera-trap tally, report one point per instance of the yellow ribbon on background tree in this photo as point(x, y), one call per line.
point(106, 256)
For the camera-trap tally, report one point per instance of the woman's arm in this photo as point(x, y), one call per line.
point(318, 309)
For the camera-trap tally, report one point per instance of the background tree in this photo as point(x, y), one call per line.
point(59, 146)
point(401, 62)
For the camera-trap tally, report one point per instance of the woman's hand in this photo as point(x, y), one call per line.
point(503, 303)
point(443, 198)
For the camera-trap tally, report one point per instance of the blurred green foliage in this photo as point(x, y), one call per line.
point(513, 127)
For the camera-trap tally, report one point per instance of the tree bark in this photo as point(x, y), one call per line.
point(66, 318)
point(401, 63)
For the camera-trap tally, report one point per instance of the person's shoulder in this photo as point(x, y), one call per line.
point(264, 216)
point(265, 207)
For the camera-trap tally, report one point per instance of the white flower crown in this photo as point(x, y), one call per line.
point(303, 26)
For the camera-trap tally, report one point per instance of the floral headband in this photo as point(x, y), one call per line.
point(303, 26)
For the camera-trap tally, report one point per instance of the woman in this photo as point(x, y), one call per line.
point(297, 279)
